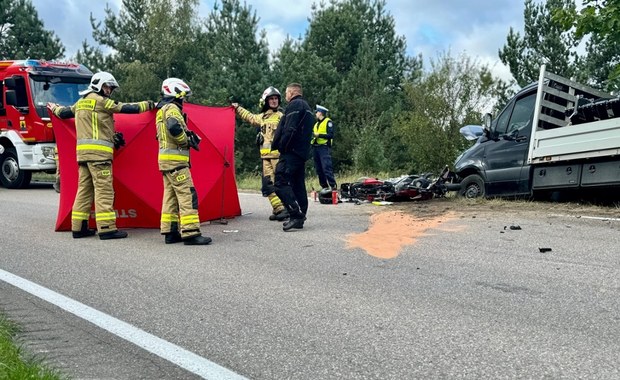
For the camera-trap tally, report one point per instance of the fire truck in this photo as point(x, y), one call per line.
point(26, 136)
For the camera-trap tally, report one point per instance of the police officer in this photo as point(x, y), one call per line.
point(323, 134)
point(179, 211)
point(292, 139)
point(267, 122)
point(96, 140)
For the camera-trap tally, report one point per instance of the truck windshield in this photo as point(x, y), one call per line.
point(61, 90)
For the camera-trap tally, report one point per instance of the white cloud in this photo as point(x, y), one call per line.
point(478, 27)
point(276, 35)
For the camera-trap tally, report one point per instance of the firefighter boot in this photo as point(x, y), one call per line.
point(281, 216)
point(197, 240)
point(279, 211)
point(173, 236)
point(84, 231)
point(113, 235)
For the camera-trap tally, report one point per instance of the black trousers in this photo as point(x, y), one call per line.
point(290, 183)
point(323, 165)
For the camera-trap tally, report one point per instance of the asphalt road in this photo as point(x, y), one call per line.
point(467, 300)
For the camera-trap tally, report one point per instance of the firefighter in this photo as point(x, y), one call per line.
point(267, 122)
point(323, 134)
point(96, 140)
point(179, 211)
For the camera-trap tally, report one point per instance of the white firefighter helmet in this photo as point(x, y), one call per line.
point(175, 88)
point(98, 80)
point(269, 91)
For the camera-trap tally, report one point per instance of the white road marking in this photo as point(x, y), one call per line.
point(603, 218)
point(162, 348)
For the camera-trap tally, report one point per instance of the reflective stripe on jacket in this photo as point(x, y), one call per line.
point(268, 122)
point(173, 150)
point(94, 124)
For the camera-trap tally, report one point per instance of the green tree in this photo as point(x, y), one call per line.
point(22, 34)
point(454, 93)
point(146, 50)
point(293, 63)
point(231, 63)
point(544, 41)
point(364, 101)
point(92, 57)
point(352, 62)
point(599, 21)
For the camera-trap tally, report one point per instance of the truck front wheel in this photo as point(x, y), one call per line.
point(11, 176)
point(472, 187)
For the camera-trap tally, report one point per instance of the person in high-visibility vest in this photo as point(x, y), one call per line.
point(96, 141)
point(323, 134)
point(267, 121)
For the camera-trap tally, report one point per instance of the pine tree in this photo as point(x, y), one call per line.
point(146, 49)
point(22, 34)
point(232, 64)
point(597, 22)
point(544, 42)
point(352, 62)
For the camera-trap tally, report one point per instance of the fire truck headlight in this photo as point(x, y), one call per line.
point(48, 152)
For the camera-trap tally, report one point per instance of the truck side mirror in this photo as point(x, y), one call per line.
point(486, 122)
point(11, 100)
point(9, 83)
point(11, 97)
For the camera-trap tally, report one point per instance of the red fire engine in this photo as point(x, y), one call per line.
point(26, 136)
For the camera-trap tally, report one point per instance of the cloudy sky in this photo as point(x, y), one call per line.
point(477, 27)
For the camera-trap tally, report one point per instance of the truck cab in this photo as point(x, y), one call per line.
point(555, 135)
point(497, 163)
point(27, 140)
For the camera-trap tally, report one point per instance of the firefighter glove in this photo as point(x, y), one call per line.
point(151, 104)
point(118, 140)
point(260, 138)
point(193, 140)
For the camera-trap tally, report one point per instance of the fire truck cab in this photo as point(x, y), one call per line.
point(27, 141)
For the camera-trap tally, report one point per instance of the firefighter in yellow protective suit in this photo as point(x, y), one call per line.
point(267, 121)
point(179, 211)
point(96, 140)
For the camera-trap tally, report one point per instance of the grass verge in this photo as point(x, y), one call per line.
point(15, 363)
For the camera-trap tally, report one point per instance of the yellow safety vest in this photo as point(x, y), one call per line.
point(320, 128)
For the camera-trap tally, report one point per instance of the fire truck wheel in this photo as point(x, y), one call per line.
point(10, 174)
point(472, 187)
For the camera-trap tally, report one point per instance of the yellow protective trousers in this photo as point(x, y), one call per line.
point(268, 189)
point(94, 183)
point(180, 204)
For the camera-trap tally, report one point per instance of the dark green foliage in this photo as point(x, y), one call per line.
point(352, 62)
point(22, 34)
point(452, 94)
point(388, 116)
point(230, 64)
point(544, 42)
point(599, 23)
point(92, 57)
